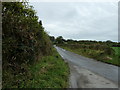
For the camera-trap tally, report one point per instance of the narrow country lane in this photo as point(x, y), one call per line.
point(89, 73)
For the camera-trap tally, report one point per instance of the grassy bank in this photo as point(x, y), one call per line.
point(49, 72)
point(99, 55)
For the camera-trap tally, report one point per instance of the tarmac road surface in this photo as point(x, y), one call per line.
point(89, 73)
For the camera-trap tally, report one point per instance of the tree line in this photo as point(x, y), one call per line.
point(86, 44)
point(61, 40)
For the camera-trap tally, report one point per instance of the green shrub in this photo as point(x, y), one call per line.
point(23, 38)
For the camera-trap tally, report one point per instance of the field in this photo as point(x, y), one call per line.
point(116, 57)
point(117, 50)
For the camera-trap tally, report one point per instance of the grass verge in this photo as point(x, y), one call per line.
point(49, 72)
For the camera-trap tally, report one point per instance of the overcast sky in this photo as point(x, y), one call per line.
point(80, 20)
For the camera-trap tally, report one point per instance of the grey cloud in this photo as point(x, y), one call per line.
point(85, 20)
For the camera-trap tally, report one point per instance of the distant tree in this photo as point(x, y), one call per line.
point(59, 40)
point(108, 41)
point(52, 38)
point(70, 41)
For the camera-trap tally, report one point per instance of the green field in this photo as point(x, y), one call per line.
point(116, 57)
point(117, 50)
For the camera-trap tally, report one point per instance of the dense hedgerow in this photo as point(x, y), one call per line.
point(23, 37)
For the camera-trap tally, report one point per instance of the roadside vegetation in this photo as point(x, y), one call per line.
point(28, 57)
point(107, 51)
point(49, 72)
